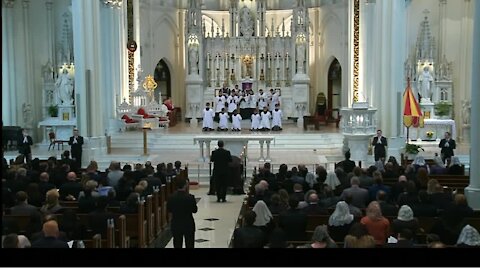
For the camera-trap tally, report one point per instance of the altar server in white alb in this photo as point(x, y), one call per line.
point(232, 101)
point(277, 118)
point(274, 99)
point(236, 121)
point(223, 121)
point(252, 103)
point(262, 99)
point(220, 99)
point(208, 115)
point(255, 121)
point(265, 119)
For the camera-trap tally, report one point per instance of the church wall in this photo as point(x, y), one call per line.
point(161, 38)
point(457, 46)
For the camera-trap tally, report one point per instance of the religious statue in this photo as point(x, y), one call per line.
point(246, 23)
point(27, 115)
point(466, 106)
point(47, 71)
point(425, 79)
point(64, 86)
point(193, 59)
point(300, 57)
point(232, 76)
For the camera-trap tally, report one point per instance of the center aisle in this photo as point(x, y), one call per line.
point(215, 222)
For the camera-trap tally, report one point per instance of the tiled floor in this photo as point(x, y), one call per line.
point(214, 221)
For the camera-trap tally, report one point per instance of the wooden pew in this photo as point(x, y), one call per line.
point(150, 218)
point(95, 242)
point(136, 226)
point(157, 211)
point(123, 239)
point(163, 205)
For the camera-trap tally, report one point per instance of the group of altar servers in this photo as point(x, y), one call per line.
point(236, 105)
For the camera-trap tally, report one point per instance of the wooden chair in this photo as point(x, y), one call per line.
point(54, 141)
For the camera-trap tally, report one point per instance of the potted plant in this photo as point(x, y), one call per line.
point(412, 150)
point(53, 110)
point(442, 109)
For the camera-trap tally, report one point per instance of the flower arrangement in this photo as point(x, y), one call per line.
point(429, 134)
point(413, 148)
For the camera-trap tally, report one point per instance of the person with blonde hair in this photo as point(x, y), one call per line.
point(377, 225)
point(52, 204)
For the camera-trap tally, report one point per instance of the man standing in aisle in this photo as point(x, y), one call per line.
point(24, 145)
point(379, 143)
point(221, 159)
point(181, 206)
point(76, 143)
point(447, 144)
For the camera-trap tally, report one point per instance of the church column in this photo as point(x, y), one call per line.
point(123, 54)
point(442, 31)
point(390, 44)
point(368, 55)
point(472, 192)
point(9, 93)
point(50, 33)
point(88, 69)
point(30, 93)
point(136, 35)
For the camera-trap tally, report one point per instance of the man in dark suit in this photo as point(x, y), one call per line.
point(76, 143)
point(24, 143)
point(347, 164)
point(248, 236)
point(50, 239)
point(181, 206)
point(221, 159)
point(447, 144)
point(379, 143)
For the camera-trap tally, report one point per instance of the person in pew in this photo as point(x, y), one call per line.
point(264, 219)
point(340, 222)
point(35, 224)
point(327, 198)
point(397, 168)
point(152, 180)
point(410, 196)
point(114, 174)
point(45, 185)
point(398, 188)
point(332, 182)
point(161, 172)
point(389, 171)
point(378, 186)
point(358, 237)
point(452, 220)
point(125, 186)
point(355, 211)
point(421, 178)
point(405, 220)
point(139, 172)
point(22, 207)
point(306, 199)
point(404, 240)
point(276, 206)
point(297, 192)
point(181, 206)
point(469, 238)
point(248, 236)
point(438, 197)
point(52, 203)
point(131, 204)
point(112, 198)
point(424, 206)
point(70, 224)
point(88, 200)
point(321, 239)
point(455, 167)
point(71, 189)
point(360, 196)
point(439, 167)
point(293, 221)
point(377, 225)
point(278, 239)
point(97, 219)
point(347, 164)
point(387, 208)
point(313, 208)
point(14, 240)
point(51, 237)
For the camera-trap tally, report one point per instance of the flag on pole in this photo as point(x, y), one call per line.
point(412, 114)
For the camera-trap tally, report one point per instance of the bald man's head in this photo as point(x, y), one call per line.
point(44, 177)
point(50, 228)
point(71, 176)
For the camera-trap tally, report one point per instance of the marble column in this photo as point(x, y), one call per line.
point(472, 192)
point(50, 32)
point(136, 36)
point(9, 93)
point(31, 94)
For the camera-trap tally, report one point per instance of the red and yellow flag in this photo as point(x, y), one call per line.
point(412, 115)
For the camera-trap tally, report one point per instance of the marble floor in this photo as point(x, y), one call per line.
point(215, 222)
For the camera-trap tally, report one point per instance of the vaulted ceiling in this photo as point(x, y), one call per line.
point(225, 4)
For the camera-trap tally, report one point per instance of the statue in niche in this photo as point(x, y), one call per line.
point(246, 22)
point(466, 106)
point(232, 76)
point(47, 71)
point(193, 59)
point(425, 80)
point(27, 115)
point(64, 86)
point(300, 56)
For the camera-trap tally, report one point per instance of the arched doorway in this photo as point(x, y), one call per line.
point(163, 79)
point(334, 88)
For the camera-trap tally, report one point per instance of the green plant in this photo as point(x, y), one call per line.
point(413, 148)
point(53, 110)
point(442, 108)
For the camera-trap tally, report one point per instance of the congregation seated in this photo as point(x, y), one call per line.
point(52, 204)
point(405, 239)
point(387, 208)
point(249, 236)
point(340, 222)
point(264, 219)
point(22, 207)
point(50, 237)
point(131, 204)
point(405, 220)
point(455, 167)
point(320, 239)
point(358, 237)
point(377, 225)
point(293, 221)
point(469, 238)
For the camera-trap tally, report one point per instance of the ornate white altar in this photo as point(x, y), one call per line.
point(249, 52)
point(236, 144)
point(358, 126)
point(63, 129)
point(437, 126)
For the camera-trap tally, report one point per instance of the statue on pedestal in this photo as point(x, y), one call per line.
point(425, 80)
point(193, 59)
point(64, 86)
point(466, 106)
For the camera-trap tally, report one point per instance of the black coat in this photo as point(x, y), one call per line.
point(379, 148)
point(447, 151)
point(49, 242)
point(182, 206)
point(221, 159)
point(24, 147)
point(76, 148)
point(248, 237)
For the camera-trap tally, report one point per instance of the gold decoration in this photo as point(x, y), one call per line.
point(131, 73)
point(150, 84)
point(356, 49)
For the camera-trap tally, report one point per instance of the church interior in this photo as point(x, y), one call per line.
point(133, 78)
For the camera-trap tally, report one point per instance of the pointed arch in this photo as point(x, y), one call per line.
point(163, 77)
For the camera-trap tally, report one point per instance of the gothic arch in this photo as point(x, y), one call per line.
point(163, 76)
point(169, 21)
